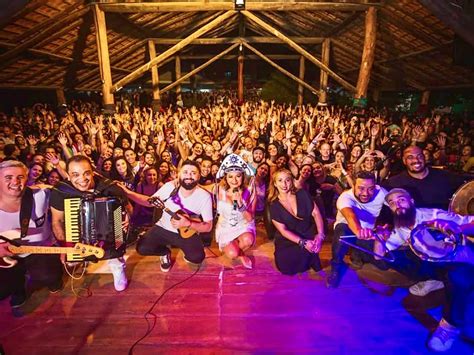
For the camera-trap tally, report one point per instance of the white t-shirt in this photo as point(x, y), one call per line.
point(198, 203)
point(39, 230)
point(367, 213)
point(400, 236)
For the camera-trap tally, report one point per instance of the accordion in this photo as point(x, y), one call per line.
point(95, 221)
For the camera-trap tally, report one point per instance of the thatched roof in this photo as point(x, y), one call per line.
point(52, 44)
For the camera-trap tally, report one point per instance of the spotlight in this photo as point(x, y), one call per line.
point(239, 5)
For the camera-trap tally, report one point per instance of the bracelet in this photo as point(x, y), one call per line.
point(302, 243)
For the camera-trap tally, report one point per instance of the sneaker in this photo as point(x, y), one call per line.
point(165, 262)
point(120, 279)
point(424, 287)
point(332, 281)
point(443, 337)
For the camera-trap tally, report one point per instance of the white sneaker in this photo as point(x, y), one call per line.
point(443, 337)
point(424, 287)
point(165, 262)
point(120, 279)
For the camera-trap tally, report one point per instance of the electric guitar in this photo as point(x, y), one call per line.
point(83, 250)
point(184, 232)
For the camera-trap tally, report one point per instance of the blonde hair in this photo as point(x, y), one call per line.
point(273, 191)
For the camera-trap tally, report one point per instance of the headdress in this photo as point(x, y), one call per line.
point(234, 162)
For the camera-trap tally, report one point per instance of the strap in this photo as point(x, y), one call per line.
point(25, 211)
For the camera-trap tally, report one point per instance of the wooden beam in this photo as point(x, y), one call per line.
point(103, 55)
point(176, 48)
point(247, 56)
point(323, 77)
point(250, 39)
point(177, 66)
point(199, 68)
point(284, 71)
point(229, 5)
point(300, 50)
point(368, 54)
point(155, 79)
point(301, 76)
point(8, 56)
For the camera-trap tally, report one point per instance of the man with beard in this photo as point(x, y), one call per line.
point(458, 276)
point(83, 182)
point(429, 187)
point(186, 196)
point(258, 156)
point(357, 211)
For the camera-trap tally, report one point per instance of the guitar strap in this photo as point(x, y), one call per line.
point(25, 211)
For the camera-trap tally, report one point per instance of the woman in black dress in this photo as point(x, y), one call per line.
point(299, 224)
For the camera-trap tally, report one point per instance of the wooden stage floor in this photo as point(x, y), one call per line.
point(225, 308)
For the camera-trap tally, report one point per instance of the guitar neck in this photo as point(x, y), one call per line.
point(27, 249)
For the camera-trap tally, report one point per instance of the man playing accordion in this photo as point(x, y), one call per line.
point(82, 181)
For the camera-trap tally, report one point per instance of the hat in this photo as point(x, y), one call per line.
point(397, 190)
point(231, 163)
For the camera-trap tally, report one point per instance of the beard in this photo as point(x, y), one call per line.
point(405, 218)
point(188, 185)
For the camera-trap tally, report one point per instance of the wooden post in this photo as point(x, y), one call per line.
point(240, 77)
point(177, 66)
point(300, 87)
point(155, 79)
point(323, 77)
point(368, 54)
point(61, 98)
point(425, 98)
point(104, 61)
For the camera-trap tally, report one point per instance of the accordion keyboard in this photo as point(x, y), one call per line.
point(72, 225)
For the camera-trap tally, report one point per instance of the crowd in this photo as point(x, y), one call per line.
point(304, 171)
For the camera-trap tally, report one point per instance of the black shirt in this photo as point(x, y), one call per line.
point(433, 191)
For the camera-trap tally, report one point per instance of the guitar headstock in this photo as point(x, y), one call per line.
point(156, 202)
point(88, 250)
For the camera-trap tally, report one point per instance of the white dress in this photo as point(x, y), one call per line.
point(231, 222)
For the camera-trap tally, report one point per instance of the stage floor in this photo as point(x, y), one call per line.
point(224, 308)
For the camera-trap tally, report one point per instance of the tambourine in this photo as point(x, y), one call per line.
point(433, 244)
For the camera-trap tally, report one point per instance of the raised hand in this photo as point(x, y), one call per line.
point(32, 140)
point(62, 138)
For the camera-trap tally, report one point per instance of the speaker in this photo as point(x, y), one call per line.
point(463, 53)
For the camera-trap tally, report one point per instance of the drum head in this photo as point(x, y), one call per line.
point(463, 200)
point(432, 244)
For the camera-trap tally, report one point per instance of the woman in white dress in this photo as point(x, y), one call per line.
point(235, 228)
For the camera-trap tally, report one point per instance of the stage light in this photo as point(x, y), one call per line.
point(239, 4)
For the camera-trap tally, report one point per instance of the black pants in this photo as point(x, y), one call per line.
point(156, 240)
point(290, 259)
point(43, 270)
point(339, 250)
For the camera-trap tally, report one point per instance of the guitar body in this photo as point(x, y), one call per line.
point(186, 232)
point(78, 248)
